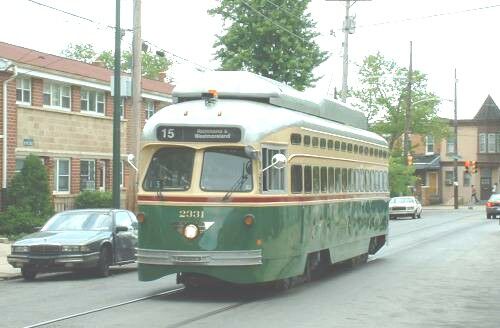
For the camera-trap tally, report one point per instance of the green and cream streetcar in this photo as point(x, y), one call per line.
point(246, 180)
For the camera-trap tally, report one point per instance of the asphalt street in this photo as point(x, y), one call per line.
point(439, 271)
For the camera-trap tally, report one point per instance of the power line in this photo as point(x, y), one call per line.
point(75, 15)
point(431, 16)
point(272, 22)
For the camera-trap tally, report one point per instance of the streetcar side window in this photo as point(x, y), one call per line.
point(295, 139)
point(349, 147)
point(366, 151)
point(361, 150)
point(344, 180)
point(337, 145)
point(376, 152)
point(371, 151)
point(322, 143)
point(349, 180)
point(324, 179)
point(315, 142)
point(338, 180)
point(330, 144)
point(307, 140)
point(331, 180)
point(343, 147)
point(316, 179)
point(307, 179)
point(273, 179)
point(355, 149)
point(296, 176)
point(170, 169)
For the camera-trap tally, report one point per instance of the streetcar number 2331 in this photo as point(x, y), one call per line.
point(197, 214)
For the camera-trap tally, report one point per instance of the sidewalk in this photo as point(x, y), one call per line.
point(6, 270)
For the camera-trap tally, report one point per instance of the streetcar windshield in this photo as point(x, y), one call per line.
point(170, 169)
point(226, 169)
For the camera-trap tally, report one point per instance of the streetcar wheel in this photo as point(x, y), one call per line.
point(28, 273)
point(358, 260)
point(102, 268)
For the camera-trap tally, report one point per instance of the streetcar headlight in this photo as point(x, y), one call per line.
point(191, 231)
point(248, 220)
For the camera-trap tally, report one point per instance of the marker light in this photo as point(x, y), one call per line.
point(140, 217)
point(191, 231)
point(213, 93)
point(248, 220)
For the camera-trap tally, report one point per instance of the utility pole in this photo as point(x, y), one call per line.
point(407, 141)
point(455, 161)
point(348, 28)
point(136, 119)
point(116, 112)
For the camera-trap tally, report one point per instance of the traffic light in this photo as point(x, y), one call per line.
point(467, 166)
point(409, 160)
point(473, 167)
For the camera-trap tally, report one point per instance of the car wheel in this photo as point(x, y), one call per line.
point(420, 215)
point(488, 216)
point(29, 273)
point(414, 215)
point(102, 269)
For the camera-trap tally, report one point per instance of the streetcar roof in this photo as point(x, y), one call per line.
point(247, 85)
point(255, 119)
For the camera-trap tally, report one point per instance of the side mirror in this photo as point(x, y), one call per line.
point(130, 160)
point(121, 229)
point(251, 152)
point(278, 161)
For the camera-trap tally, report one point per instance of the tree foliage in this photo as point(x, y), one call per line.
point(383, 96)
point(271, 38)
point(152, 64)
point(401, 176)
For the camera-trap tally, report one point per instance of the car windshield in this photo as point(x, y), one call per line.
point(402, 200)
point(170, 169)
point(78, 221)
point(226, 169)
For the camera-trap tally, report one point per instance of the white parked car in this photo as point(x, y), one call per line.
point(405, 206)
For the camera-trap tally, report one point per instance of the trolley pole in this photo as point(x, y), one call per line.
point(116, 112)
point(455, 161)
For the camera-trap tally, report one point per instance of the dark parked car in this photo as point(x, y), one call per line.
point(493, 206)
point(79, 239)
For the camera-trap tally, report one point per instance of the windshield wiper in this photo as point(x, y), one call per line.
point(238, 184)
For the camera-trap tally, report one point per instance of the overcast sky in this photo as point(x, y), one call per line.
point(446, 34)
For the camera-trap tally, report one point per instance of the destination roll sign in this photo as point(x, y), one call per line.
point(198, 133)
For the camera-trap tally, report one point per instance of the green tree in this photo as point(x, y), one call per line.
point(383, 96)
point(152, 64)
point(271, 38)
point(30, 189)
point(400, 175)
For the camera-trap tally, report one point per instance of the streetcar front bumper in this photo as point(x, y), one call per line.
point(204, 258)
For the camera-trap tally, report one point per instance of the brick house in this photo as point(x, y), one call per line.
point(478, 140)
point(61, 110)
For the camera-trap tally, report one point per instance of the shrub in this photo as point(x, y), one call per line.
point(15, 220)
point(94, 199)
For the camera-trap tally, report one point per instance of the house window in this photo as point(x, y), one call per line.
point(482, 142)
point(273, 179)
point(492, 147)
point(23, 90)
point(62, 174)
point(92, 101)
point(450, 145)
point(429, 144)
point(150, 109)
point(56, 95)
point(498, 142)
point(122, 177)
point(87, 175)
point(448, 178)
point(19, 165)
